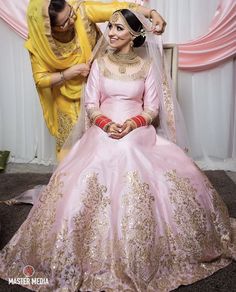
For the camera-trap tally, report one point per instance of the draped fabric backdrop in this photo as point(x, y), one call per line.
point(207, 98)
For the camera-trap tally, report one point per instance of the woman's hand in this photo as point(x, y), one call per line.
point(127, 127)
point(114, 131)
point(75, 70)
point(158, 23)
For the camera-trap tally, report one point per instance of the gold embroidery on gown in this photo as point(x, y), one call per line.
point(145, 250)
point(92, 223)
point(168, 103)
point(191, 218)
point(188, 214)
point(138, 228)
point(136, 71)
point(36, 239)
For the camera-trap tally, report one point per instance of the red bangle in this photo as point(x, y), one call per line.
point(143, 121)
point(139, 121)
point(102, 121)
point(99, 119)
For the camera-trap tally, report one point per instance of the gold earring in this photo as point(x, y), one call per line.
point(131, 44)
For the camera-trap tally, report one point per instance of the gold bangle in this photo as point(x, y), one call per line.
point(150, 14)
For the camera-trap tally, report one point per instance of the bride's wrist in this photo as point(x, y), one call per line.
point(131, 123)
point(107, 127)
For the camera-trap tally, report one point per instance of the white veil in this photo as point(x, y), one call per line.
point(171, 123)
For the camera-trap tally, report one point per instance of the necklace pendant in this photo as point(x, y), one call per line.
point(122, 69)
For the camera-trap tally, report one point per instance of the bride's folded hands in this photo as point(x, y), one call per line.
point(114, 131)
point(117, 131)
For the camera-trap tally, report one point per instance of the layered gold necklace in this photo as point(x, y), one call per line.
point(124, 60)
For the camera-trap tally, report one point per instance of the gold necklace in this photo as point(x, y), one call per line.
point(124, 60)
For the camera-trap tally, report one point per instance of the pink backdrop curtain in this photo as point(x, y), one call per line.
point(206, 52)
point(14, 13)
point(217, 46)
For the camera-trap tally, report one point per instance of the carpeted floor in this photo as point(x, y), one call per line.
point(11, 217)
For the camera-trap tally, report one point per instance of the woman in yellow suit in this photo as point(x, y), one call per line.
point(61, 38)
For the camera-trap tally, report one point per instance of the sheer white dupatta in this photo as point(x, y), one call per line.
point(171, 122)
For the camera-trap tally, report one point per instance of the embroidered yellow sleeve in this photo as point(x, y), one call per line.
point(100, 11)
point(41, 75)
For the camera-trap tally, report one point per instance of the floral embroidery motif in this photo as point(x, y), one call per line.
point(138, 228)
point(91, 223)
point(189, 215)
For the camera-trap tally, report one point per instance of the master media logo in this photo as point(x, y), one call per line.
point(28, 272)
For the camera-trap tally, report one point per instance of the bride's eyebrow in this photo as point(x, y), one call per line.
point(116, 24)
point(119, 24)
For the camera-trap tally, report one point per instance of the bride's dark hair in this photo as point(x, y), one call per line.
point(135, 24)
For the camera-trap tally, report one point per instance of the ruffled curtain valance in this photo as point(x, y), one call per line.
point(217, 46)
point(14, 13)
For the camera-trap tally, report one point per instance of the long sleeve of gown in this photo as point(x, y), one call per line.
point(92, 91)
point(151, 98)
point(92, 99)
point(101, 12)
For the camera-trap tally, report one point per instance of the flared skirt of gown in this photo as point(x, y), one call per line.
point(134, 214)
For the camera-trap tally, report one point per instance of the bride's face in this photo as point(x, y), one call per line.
point(119, 35)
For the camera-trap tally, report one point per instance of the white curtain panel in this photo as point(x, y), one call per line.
point(207, 98)
point(22, 128)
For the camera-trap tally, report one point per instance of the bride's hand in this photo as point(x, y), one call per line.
point(114, 131)
point(127, 127)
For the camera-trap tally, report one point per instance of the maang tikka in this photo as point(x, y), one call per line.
point(118, 14)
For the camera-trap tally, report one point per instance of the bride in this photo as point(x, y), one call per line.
point(126, 209)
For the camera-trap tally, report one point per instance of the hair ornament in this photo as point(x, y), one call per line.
point(118, 14)
point(143, 32)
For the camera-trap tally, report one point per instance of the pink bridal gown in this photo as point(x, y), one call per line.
point(134, 214)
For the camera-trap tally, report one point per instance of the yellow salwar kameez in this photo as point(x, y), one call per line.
point(61, 104)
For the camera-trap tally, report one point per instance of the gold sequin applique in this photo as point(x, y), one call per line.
point(138, 229)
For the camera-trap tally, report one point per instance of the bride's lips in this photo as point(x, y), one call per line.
point(112, 40)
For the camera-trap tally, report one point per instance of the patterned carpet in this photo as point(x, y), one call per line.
point(12, 217)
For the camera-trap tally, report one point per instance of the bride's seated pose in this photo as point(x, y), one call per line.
point(126, 209)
